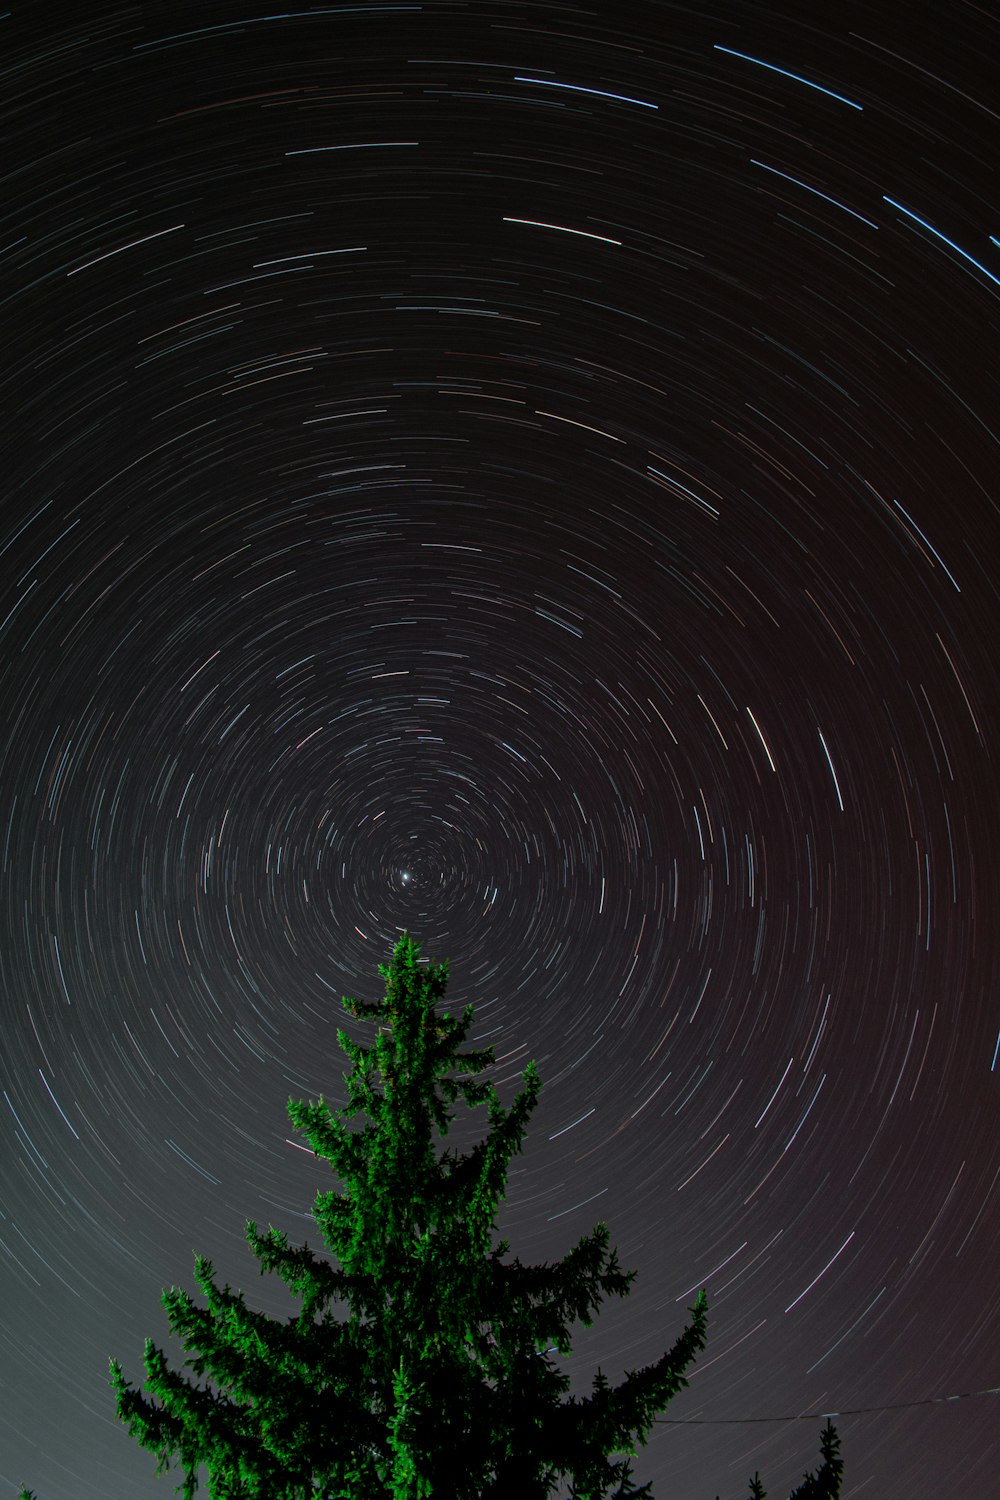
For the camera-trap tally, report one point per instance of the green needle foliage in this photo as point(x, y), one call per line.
point(438, 1384)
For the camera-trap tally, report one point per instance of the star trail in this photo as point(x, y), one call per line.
point(525, 475)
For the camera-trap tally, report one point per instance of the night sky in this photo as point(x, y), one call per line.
point(526, 475)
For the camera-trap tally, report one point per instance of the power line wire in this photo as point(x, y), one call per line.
point(811, 1416)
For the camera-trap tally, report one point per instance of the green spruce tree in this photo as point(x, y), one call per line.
point(437, 1385)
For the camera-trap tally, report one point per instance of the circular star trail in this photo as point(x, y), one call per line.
point(523, 476)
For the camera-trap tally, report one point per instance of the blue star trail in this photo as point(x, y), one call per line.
point(525, 476)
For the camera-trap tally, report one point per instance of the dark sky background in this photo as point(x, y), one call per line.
point(525, 474)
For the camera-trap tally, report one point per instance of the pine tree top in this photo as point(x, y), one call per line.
point(438, 1382)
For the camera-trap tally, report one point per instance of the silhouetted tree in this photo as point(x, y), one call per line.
point(824, 1484)
point(438, 1384)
